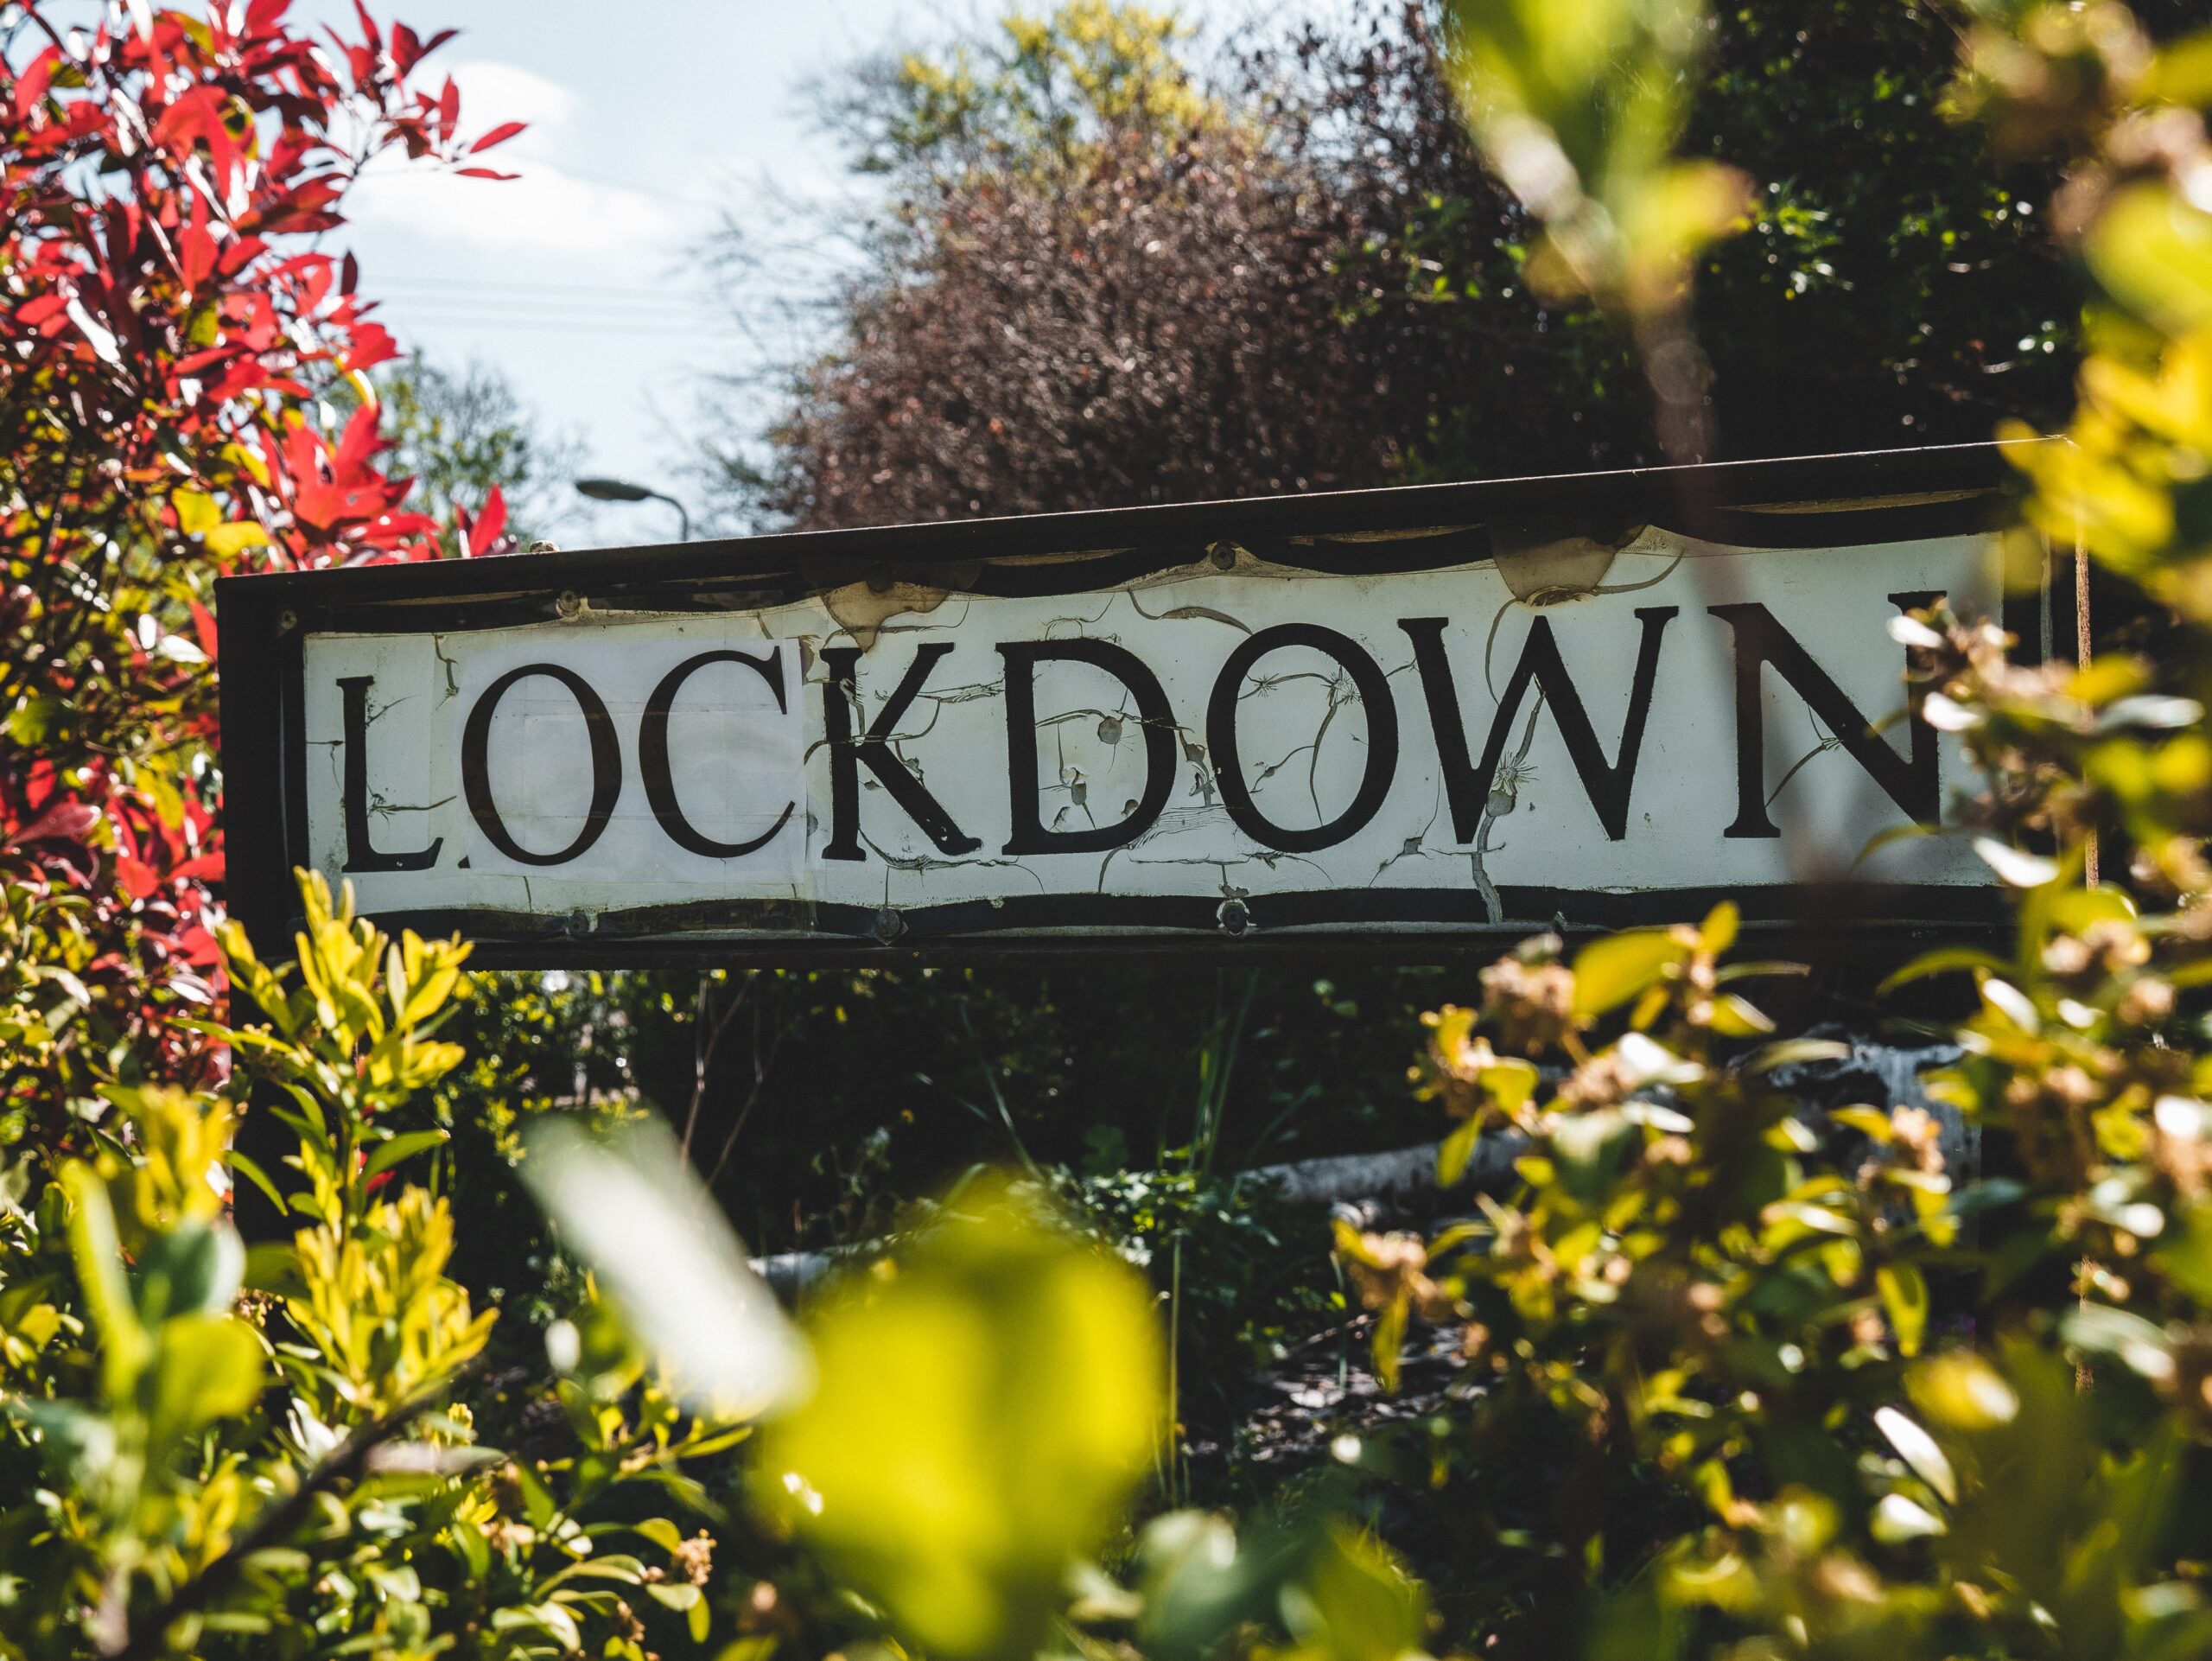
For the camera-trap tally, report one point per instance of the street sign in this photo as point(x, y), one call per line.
point(1407, 719)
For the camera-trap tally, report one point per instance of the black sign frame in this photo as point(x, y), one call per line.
point(1882, 496)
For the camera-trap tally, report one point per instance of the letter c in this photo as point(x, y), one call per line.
point(652, 753)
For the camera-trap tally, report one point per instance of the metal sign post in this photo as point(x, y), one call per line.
point(1403, 721)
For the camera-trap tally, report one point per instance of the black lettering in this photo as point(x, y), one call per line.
point(1154, 720)
point(1608, 785)
point(1382, 736)
point(1912, 783)
point(839, 697)
point(652, 753)
point(476, 774)
point(362, 853)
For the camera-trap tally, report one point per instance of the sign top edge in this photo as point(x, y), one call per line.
point(1772, 482)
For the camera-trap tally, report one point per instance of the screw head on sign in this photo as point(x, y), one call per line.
point(581, 921)
point(889, 925)
point(569, 604)
point(1235, 917)
point(287, 621)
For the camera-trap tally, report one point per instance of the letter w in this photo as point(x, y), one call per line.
point(1467, 789)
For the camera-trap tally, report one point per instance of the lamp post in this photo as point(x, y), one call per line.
point(621, 490)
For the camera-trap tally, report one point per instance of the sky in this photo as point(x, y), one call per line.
point(582, 282)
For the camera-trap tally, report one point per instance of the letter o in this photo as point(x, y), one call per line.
point(605, 764)
point(1382, 736)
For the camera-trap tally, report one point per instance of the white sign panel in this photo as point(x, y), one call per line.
point(1276, 747)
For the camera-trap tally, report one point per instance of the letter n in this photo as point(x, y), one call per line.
point(1911, 781)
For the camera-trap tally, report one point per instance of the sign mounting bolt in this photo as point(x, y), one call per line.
point(1235, 917)
point(287, 621)
point(569, 605)
point(889, 925)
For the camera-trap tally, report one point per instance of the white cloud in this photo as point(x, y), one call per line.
point(546, 210)
point(493, 94)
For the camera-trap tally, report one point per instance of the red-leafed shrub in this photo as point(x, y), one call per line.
point(170, 325)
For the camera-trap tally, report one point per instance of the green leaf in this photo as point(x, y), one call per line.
point(475, 1551)
point(1944, 960)
point(1028, 1406)
point(125, 1345)
point(1511, 1082)
point(1740, 971)
point(1734, 1018)
point(2016, 866)
point(1589, 1147)
point(1918, 1449)
point(1608, 972)
point(1718, 932)
point(402, 1147)
point(206, 1367)
point(1453, 1154)
point(253, 1172)
point(1905, 1297)
point(195, 1267)
point(1898, 1518)
point(1791, 1052)
point(1868, 1120)
point(1364, 1606)
point(2136, 1343)
point(2153, 252)
point(2186, 1252)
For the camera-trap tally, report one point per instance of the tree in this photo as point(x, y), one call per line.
point(461, 435)
point(1312, 281)
point(168, 324)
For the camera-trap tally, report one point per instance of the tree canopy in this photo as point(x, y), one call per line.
point(1296, 273)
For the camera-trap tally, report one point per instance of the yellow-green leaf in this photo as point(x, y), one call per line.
point(982, 1417)
point(1611, 971)
point(1904, 1296)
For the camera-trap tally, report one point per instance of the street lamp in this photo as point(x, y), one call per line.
point(621, 490)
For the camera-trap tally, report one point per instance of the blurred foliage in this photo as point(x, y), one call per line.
point(1025, 1411)
point(216, 1451)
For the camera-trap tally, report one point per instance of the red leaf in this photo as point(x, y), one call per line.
point(368, 27)
point(489, 523)
point(483, 173)
point(31, 85)
point(356, 445)
point(203, 624)
point(498, 135)
point(63, 822)
point(196, 245)
point(138, 878)
point(372, 345)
